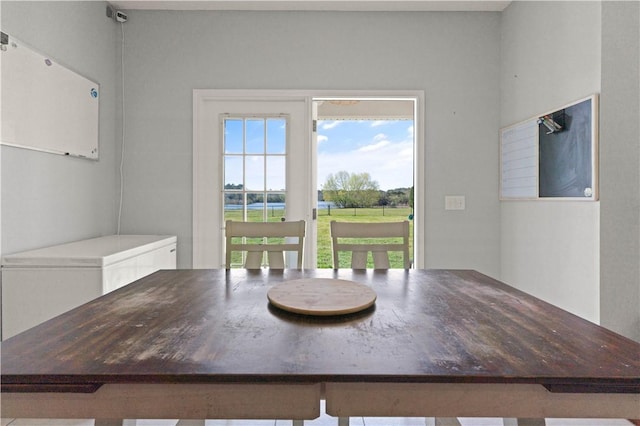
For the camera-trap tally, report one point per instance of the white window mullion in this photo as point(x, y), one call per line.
point(265, 214)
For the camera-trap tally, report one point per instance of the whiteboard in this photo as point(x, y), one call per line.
point(519, 161)
point(46, 106)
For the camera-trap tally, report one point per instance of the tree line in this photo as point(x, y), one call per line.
point(349, 190)
point(343, 189)
point(231, 198)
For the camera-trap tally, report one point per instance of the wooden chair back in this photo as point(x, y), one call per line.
point(256, 238)
point(369, 235)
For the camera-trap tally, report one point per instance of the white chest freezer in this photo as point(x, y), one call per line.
point(38, 285)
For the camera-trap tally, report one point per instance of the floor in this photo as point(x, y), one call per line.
point(325, 420)
point(319, 422)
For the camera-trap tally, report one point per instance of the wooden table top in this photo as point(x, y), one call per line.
point(216, 326)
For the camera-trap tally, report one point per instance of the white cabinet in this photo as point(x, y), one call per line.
point(40, 284)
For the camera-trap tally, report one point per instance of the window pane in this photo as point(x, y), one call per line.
point(275, 173)
point(233, 201)
point(234, 206)
point(255, 136)
point(233, 172)
point(276, 136)
point(275, 207)
point(233, 136)
point(254, 173)
point(234, 209)
point(255, 207)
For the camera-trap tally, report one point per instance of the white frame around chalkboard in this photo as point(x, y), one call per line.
point(520, 157)
point(45, 105)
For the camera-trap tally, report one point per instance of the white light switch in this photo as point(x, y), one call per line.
point(454, 202)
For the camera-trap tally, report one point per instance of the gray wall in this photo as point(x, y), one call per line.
point(49, 199)
point(620, 168)
point(550, 57)
point(453, 57)
point(583, 257)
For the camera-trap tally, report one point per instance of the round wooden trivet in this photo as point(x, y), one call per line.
point(322, 296)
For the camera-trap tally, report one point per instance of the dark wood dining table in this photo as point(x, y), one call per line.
point(197, 344)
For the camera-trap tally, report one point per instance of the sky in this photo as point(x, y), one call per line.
point(384, 149)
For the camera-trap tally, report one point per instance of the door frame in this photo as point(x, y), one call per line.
point(202, 224)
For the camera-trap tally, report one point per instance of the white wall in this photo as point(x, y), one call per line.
point(550, 56)
point(49, 199)
point(453, 57)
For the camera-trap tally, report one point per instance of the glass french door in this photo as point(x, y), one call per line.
point(255, 153)
point(255, 159)
point(251, 163)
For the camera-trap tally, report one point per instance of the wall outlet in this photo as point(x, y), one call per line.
point(454, 202)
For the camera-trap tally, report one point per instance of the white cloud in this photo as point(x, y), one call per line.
point(378, 123)
point(326, 125)
point(322, 138)
point(388, 163)
point(374, 146)
point(379, 137)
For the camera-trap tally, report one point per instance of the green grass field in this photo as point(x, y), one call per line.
point(325, 216)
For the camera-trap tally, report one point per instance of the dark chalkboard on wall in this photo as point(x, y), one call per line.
point(567, 155)
point(553, 155)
